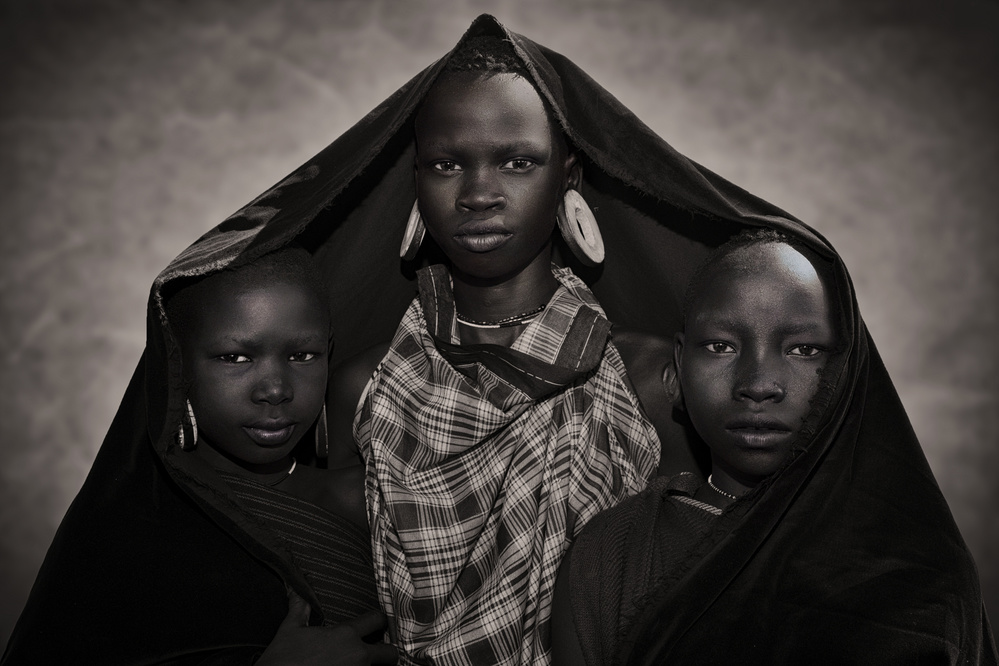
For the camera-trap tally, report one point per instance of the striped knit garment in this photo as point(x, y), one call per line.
point(483, 463)
point(626, 556)
point(332, 553)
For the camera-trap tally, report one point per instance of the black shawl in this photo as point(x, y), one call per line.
point(151, 562)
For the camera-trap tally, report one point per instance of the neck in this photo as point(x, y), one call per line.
point(266, 473)
point(731, 483)
point(501, 298)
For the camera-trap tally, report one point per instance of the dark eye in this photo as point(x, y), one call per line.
point(719, 348)
point(519, 164)
point(302, 357)
point(804, 350)
point(234, 358)
point(446, 166)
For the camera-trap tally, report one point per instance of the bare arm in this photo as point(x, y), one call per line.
point(346, 384)
point(647, 358)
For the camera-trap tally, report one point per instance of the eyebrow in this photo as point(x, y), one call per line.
point(519, 146)
point(249, 342)
point(507, 148)
point(785, 329)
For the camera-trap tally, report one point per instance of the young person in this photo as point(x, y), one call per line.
point(501, 417)
point(236, 551)
point(762, 357)
point(658, 213)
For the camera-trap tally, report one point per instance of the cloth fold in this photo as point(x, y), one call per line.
point(152, 555)
point(333, 554)
point(626, 556)
point(481, 471)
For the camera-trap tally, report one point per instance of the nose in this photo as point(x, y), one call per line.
point(272, 386)
point(758, 380)
point(480, 191)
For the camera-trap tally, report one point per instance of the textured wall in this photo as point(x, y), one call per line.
point(128, 128)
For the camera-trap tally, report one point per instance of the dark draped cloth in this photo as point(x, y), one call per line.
point(626, 554)
point(152, 555)
point(332, 553)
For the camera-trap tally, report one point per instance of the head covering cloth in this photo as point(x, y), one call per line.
point(151, 561)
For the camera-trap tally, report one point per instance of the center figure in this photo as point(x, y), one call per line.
point(501, 418)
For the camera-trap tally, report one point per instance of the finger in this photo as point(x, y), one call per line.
point(367, 623)
point(382, 653)
point(298, 610)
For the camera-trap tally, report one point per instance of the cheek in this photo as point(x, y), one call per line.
point(435, 195)
point(806, 387)
point(214, 397)
point(702, 390)
point(310, 389)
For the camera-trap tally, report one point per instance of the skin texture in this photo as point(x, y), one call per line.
point(258, 369)
point(489, 158)
point(756, 336)
point(257, 361)
point(491, 169)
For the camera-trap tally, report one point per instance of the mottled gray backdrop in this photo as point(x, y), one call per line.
point(128, 128)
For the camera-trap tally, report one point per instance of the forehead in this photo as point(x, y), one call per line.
point(762, 285)
point(284, 307)
point(472, 105)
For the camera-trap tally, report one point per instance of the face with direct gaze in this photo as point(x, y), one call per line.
point(491, 170)
point(756, 336)
point(256, 359)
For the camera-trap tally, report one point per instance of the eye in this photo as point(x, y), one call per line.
point(303, 357)
point(719, 348)
point(446, 166)
point(804, 350)
point(234, 358)
point(521, 164)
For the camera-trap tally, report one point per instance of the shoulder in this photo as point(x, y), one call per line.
point(339, 491)
point(352, 374)
point(646, 356)
point(611, 526)
point(346, 384)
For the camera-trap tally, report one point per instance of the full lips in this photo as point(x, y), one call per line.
point(482, 242)
point(482, 235)
point(270, 436)
point(751, 437)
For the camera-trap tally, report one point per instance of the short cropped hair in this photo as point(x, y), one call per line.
point(749, 238)
point(289, 265)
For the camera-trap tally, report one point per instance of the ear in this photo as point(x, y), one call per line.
point(678, 369)
point(573, 171)
point(677, 351)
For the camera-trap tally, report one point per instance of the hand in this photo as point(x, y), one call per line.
point(298, 644)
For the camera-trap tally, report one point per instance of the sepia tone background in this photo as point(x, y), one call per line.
point(130, 127)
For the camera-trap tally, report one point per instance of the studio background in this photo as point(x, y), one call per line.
point(128, 128)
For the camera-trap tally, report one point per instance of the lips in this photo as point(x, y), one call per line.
point(482, 235)
point(758, 431)
point(270, 432)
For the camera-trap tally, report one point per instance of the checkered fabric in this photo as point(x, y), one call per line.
point(483, 463)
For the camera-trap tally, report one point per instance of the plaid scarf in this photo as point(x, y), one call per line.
point(483, 463)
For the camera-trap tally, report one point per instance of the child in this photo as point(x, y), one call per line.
point(255, 342)
point(758, 362)
point(658, 212)
point(501, 417)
